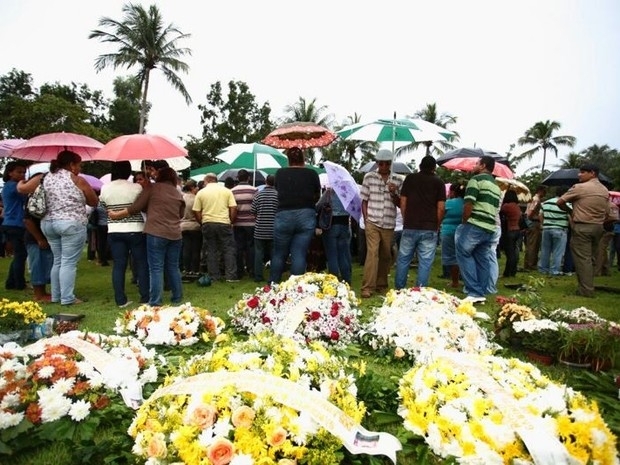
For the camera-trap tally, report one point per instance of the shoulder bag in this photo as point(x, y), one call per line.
point(36, 205)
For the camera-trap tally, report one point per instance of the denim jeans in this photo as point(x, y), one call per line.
point(412, 240)
point(474, 248)
point(337, 244)
point(292, 233)
point(16, 278)
point(40, 262)
point(66, 239)
point(448, 250)
point(262, 252)
point(493, 263)
point(218, 241)
point(552, 249)
point(512, 252)
point(121, 246)
point(163, 254)
point(192, 246)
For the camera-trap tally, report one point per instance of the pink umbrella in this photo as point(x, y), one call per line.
point(46, 147)
point(7, 145)
point(140, 147)
point(467, 164)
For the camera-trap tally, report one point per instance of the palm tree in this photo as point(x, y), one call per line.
point(303, 110)
point(541, 136)
point(144, 41)
point(572, 160)
point(335, 151)
point(429, 113)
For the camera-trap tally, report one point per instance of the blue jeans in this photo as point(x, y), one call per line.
point(164, 254)
point(292, 233)
point(448, 250)
point(16, 278)
point(66, 239)
point(262, 253)
point(412, 240)
point(552, 247)
point(337, 244)
point(244, 242)
point(40, 262)
point(494, 265)
point(121, 246)
point(474, 250)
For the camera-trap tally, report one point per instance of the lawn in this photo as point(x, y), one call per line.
point(377, 389)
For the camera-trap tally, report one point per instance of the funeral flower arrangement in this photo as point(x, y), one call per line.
point(49, 381)
point(578, 315)
point(540, 335)
point(170, 325)
point(420, 321)
point(313, 306)
point(19, 315)
point(452, 405)
point(215, 422)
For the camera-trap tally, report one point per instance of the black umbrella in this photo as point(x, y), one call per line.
point(475, 152)
point(397, 167)
point(569, 176)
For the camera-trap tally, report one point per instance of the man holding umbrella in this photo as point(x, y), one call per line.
point(590, 209)
point(380, 197)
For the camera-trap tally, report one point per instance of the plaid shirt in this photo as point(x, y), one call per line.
point(381, 208)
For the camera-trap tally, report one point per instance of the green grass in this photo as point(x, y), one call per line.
point(377, 388)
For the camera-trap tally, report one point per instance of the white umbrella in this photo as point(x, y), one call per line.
point(345, 187)
point(252, 156)
point(176, 163)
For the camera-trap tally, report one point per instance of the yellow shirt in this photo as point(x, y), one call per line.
point(214, 202)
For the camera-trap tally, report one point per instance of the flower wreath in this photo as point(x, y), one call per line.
point(229, 426)
point(448, 405)
point(330, 312)
point(420, 321)
point(170, 325)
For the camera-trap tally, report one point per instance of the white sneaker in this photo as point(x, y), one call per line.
point(126, 304)
point(475, 300)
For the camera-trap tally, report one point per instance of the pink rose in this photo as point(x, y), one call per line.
point(243, 416)
point(221, 451)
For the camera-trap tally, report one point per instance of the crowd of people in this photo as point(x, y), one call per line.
point(168, 232)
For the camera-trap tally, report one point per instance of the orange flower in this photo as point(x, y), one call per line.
point(277, 437)
point(221, 451)
point(101, 402)
point(33, 413)
point(157, 447)
point(243, 417)
point(203, 416)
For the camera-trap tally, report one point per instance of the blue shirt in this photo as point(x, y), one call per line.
point(13, 205)
point(453, 215)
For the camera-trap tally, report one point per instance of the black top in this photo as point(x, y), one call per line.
point(297, 188)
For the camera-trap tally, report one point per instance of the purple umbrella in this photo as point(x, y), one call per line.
point(94, 182)
point(7, 145)
point(345, 187)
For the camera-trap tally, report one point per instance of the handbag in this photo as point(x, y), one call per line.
point(37, 205)
point(324, 220)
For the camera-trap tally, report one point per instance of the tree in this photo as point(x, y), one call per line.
point(572, 160)
point(349, 148)
point(226, 120)
point(541, 137)
point(429, 113)
point(125, 108)
point(145, 42)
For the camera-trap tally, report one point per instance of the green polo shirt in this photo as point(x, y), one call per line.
point(483, 192)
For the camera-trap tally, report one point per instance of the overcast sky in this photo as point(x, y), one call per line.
point(498, 66)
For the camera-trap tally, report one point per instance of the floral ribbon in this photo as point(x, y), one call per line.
point(294, 316)
point(544, 448)
point(354, 437)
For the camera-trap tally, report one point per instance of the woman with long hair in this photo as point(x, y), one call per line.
point(13, 224)
point(64, 224)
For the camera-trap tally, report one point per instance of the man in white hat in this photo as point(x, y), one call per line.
point(380, 197)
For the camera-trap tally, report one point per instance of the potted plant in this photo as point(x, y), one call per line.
point(510, 313)
point(540, 338)
point(17, 320)
point(589, 344)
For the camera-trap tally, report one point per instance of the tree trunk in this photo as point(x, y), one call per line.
point(145, 91)
point(542, 170)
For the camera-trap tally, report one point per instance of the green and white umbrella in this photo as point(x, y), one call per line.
point(395, 130)
point(252, 156)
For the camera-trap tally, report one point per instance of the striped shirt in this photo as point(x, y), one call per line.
point(265, 206)
point(119, 194)
point(244, 193)
point(483, 192)
point(553, 216)
point(381, 209)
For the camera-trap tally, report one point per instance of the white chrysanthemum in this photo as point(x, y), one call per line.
point(222, 427)
point(79, 410)
point(8, 420)
point(46, 372)
point(64, 385)
point(149, 375)
point(205, 438)
point(242, 459)
point(9, 400)
point(53, 405)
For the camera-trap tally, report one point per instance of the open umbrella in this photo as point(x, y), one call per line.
point(397, 167)
point(467, 164)
point(176, 163)
point(569, 176)
point(395, 130)
point(93, 181)
point(140, 147)
point(252, 157)
point(302, 134)
point(7, 145)
point(523, 192)
point(46, 147)
point(475, 152)
point(345, 187)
